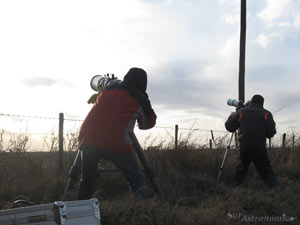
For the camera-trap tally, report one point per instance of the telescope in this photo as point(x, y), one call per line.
point(236, 103)
point(99, 82)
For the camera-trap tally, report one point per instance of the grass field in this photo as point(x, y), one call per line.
point(187, 178)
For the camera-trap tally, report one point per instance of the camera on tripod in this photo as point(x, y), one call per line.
point(237, 103)
point(99, 82)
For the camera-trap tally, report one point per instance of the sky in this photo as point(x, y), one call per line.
point(50, 50)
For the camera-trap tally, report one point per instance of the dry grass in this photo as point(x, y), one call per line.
point(187, 178)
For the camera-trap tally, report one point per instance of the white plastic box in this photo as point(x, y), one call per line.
point(83, 212)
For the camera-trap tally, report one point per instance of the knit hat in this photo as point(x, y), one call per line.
point(258, 99)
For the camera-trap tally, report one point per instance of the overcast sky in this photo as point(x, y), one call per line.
point(49, 51)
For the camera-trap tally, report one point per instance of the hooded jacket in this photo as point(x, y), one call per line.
point(115, 113)
point(255, 123)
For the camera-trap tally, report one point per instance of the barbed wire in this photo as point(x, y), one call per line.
point(29, 133)
point(38, 117)
point(31, 117)
point(81, 120)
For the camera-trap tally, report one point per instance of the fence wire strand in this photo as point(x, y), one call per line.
point(199, 136)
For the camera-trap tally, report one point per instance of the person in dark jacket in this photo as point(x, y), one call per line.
point(105, 132)
point(255, 124)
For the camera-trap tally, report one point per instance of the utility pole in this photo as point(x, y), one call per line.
point(242, 60)
point(242, 51)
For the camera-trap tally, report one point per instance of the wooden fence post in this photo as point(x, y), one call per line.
point(212, 137)
point(293, 144)
point(176, 137)
point(61, 143)
point(210, 144)
point(283, 140)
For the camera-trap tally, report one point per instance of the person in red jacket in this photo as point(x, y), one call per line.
point(105, 132)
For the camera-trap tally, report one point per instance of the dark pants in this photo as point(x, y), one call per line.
point(262, 163)
point(126, 163)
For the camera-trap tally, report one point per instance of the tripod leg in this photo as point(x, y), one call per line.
point(148, 169)
point(224, 158)
point(74, 173)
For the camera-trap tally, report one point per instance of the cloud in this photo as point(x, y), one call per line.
point(297, 21)
point(232, 19)
point(273, 11)
point(263, 40)
point(286, 107)
point(235, 2)
point(189, 49)
point(282, 14)
point(280, 21)
point(288, 99)
point(39, 81)
point(185, 88)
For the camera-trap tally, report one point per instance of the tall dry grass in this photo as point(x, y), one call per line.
point(188, 180)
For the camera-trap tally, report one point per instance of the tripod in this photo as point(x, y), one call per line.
point(224, 158)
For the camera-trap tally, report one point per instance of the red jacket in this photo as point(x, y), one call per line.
point(113, 116)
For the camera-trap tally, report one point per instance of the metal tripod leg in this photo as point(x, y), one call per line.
point(73, 174)
point(224, 158)
point(148, 169)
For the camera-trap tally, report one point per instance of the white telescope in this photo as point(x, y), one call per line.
point(234, 102)
point(99, 82)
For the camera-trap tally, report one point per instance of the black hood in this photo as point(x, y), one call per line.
point(136, 78)
point(258, 99)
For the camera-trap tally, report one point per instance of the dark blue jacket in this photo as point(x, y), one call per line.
point(255, 124)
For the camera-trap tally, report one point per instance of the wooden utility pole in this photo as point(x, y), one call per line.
point(242, 60)
point(242, 51)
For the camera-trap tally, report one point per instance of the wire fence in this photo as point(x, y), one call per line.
point(39, 133)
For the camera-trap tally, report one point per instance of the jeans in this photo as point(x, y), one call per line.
point(126, 163)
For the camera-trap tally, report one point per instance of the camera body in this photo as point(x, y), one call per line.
point(99, 82)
